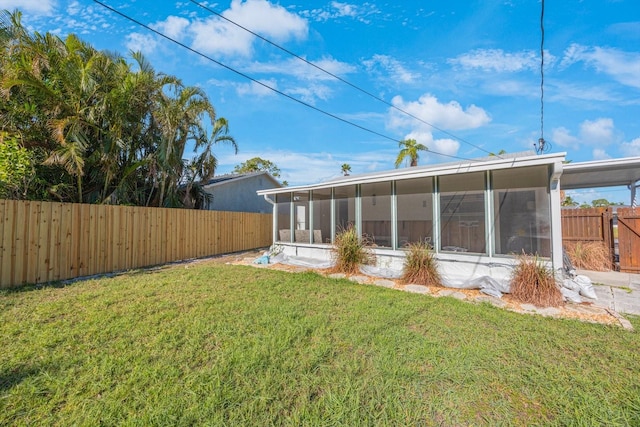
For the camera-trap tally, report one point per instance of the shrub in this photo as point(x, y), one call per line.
point(534, 283)
point(349, 251)
point(592, 256)
point(420, 266)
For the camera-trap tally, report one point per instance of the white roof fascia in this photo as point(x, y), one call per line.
point(601, 173)
point(427, 171)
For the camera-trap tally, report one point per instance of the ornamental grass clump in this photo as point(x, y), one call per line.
point(420, 266)
point(592, 256)
point(350, 251)
point(534, 283)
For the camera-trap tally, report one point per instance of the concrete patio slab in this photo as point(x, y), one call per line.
point(616, 291)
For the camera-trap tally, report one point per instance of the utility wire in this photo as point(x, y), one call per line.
point(339, 78)
point(542, 146)
point(279, 92)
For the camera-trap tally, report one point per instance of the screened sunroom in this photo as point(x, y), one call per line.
point(475, 215)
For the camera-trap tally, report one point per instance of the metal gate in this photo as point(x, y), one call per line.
point(629, 239)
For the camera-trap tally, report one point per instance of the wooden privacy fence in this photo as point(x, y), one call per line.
point(589, 225)
point(596, 225)
point(629, 239)
point(43, 241)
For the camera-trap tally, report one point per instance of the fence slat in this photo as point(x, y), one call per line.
point(8, 233)
point(629, 239)
point(589, 225)
point(31, 263)
point(45, 241)
point(3, 209)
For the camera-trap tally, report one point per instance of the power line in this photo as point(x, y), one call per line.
point(542, 146)
point(279, 92)
point(338, 77)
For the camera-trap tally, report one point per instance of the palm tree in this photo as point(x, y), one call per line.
point(102, 128)
point(346, 168)
point(409, 148)
point(202, 168)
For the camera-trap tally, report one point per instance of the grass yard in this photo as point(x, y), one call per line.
point(213, 344)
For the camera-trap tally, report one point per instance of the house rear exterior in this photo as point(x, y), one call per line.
point(237, 192)
point(477, 215)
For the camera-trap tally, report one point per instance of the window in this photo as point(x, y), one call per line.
point(283, 219)
point(522, 211)
point(376, 212)
point(345, 207)
point(322, 216)
point(462, 213)
point(415, 210)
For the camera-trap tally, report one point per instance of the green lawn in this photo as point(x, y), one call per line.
point(214, 344)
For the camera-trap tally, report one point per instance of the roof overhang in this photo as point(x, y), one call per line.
point(236, 178)
point(601, 173)
point(484, 164)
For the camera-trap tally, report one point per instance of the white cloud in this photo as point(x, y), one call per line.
point(274, 22)
point(622, 66)
point(267, 19)
point(311, 93)
point(216, 36)
point(597, 132)
point(173, 26)
point(344, 9)
point(297, 68)
point(43, 7)
point(566, 91)
point(632, 148)
point(144, 43)
point(600, 132)
point(392, 69)
point(337, 10)
point(562, 136)
point(498, 60)
point(600, 154)
point(445, 146)
point(256, 89)
point(74, 8)
point(449, 116)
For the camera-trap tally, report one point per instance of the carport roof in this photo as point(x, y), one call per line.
point(601, 173)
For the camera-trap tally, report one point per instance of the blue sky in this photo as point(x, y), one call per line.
point(470, 68)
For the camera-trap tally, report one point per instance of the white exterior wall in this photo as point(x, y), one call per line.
point(454, 268)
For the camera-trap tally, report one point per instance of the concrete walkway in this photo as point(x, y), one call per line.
point(615, 290)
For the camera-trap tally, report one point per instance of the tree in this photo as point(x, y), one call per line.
point(409, 148)
point(346, 168)
point(16, 167)
point(100, 128)
point(202, 167)
point(603, 203)
point(500, 153)
point(567, 201)
point(258, 164)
